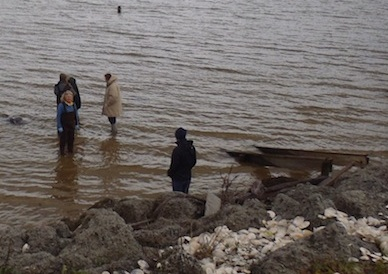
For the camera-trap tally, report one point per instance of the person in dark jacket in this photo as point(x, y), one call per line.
point(67, 122)
point(77, 96)
point(62, 85)
point(183, 159)
point(67, 83)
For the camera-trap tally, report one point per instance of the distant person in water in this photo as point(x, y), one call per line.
point(77, 96)
point(112, 107)
point(67, 122)
point(183, 159)
point(62, 86)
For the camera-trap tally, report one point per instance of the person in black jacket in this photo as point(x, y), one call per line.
point(77, 96)
point(67, 83)
point(183, 159)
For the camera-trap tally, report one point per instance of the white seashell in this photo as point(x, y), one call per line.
point(383, 244)
point(373, 221)
point(271, 214)
point(209, 267)
point(105, 272)
point(260, 242)
point(25, 248)
point(341, 214)
point(193, 247)
point(158, 265)
point(253, 253)
point(204, 238)
point(281, 233)
point(330, 212)
point(251, 236)
point(316, 229)
point(283, 222)
point(300, 222)
point(243, 231)
point(218, 255)
point(296, 235)
point(184, 240)
point(322, 217)
point(137, 271)
point(353, 260)
point(230, 242)
point(254, 230)
point(267, 248)
point(375, 257)
point(364, 251)
point(364, 258)
point(225, 270)
point(143, 264)
point(307, 233)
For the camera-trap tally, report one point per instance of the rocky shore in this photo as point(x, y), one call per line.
point(291, 232)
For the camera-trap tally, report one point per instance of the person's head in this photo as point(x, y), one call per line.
point(63, 77)
point(107, 76)
point(180, 134)
point(71, 80)
point(67, 97)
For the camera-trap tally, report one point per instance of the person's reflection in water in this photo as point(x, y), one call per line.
point(110, 175)
point(65, 186)
point(111, 151)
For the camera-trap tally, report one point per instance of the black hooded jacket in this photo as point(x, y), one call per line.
point(183, 159)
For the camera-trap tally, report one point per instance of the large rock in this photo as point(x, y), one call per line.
point(331, 242)
point(102, 238)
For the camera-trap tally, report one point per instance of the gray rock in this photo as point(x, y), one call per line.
point(102, 237)
point(213, 204)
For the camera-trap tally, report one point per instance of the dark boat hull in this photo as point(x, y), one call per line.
point(338, 158)
point(283, 161)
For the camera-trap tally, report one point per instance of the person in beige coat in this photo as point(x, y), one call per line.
point(112, 101)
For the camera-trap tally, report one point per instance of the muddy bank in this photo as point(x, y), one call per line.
point(114, 235)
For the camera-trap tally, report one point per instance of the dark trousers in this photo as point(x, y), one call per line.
point(181, 186)
point(66, 138)
point(112, 120)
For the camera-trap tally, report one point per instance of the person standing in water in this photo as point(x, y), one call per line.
point(62, 85)
point(183, 159)
point(112, 107)
point(67, 122)
point(77, 96)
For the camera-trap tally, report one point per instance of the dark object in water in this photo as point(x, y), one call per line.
point(339, 158)
point(283, 161)
point(17, 120)
point(119, 9)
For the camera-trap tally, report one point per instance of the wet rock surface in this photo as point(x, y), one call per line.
point(114, 235)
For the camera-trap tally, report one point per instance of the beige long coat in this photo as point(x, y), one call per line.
point(112, 100)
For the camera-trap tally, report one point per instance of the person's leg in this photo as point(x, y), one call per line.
point(112, 121)
point(62, 142)
point(181, 186)
point(70, 140)
point(186, 186)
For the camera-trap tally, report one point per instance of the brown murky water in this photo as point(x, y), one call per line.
point(309, 75)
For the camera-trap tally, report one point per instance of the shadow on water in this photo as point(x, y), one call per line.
point(111, 150)
point(66, 179)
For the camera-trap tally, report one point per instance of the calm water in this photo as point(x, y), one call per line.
point(301, 74)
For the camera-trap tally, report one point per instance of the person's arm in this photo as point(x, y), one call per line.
point(174, 163)
point(113, 94)
point(60, 111)
point(56, 90)
point(76, 117)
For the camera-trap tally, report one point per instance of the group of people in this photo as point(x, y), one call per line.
point(69, 102)
point(183, 157)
